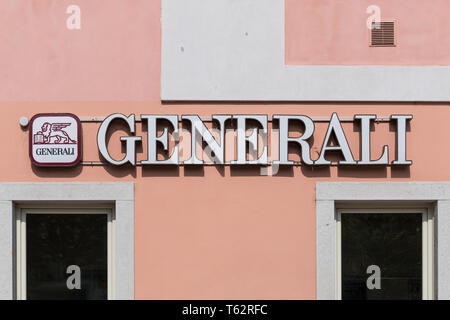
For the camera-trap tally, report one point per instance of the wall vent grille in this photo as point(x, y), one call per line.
point(383, 34)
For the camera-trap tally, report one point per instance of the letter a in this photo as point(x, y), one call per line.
point(373, 282)
point(74, 280)
point(374, 21)
point(74, 21)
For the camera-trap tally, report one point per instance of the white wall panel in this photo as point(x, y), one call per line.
point(234, 50)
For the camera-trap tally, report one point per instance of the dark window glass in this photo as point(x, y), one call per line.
point(57, 241)
point(392, 242)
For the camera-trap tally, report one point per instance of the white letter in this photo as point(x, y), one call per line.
point(302, 140)
point(401, 139)
point(365, 142)
point(374, 21)
point(153, 139)
point(74, 280)
point(252, 139)
point(342, 144)
point(73, 21)
point(373, 282)
point(130, 155)
point(205, 135)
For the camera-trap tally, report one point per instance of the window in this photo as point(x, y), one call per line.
point(64, 253)
point(384, 254)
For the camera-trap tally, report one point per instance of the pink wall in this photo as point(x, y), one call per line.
point(207, 233)
point(231, 233)
point(334, 32)
point(114, 57)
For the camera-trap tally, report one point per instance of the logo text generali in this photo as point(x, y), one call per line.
point(250, 136)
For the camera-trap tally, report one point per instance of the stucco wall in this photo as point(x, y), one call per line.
point(216, 232)
point(334, 32)
point(204, 233)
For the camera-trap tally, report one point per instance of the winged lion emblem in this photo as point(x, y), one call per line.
point(53, 133)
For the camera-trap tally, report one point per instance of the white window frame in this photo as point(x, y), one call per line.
point(331, 195)
point(427, 245)
point(117, 195)
point(21, 263)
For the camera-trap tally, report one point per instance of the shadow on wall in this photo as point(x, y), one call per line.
point(361, 172)
point(57, 172)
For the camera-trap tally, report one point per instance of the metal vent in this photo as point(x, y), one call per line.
point(383, 34)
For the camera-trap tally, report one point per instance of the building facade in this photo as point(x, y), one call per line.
point(252, 149)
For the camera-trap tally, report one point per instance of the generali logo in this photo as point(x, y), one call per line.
point(55, 139)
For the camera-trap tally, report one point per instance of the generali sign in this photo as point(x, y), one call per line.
point(247, 142)
point(55, 139)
